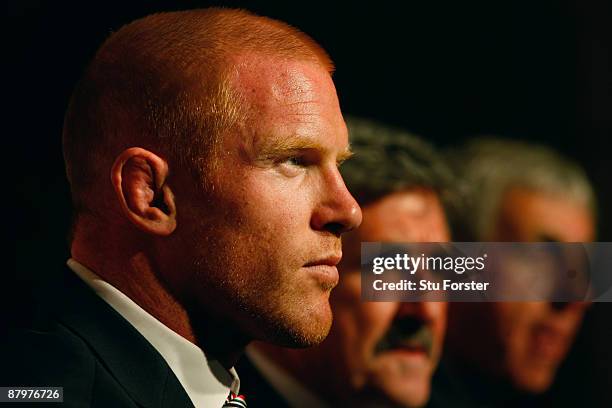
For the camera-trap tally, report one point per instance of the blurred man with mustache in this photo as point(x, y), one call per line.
point(377, 353)
point(516, 192)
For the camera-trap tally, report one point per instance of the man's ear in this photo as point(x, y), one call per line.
point(139, 179)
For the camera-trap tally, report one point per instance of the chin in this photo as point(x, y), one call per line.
point(396, 387)
point(534, 382)
point(314, 327)
point(411, 396)
point(301, 326)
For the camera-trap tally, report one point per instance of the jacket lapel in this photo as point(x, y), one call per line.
point(127, 355)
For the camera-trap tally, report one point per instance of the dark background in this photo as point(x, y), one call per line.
point(534, 70)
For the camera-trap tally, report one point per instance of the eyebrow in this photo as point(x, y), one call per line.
point(345, 155)
point(283, 146)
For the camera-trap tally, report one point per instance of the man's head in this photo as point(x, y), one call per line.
point(519, 192)
point(207, 143)
point(382, 352)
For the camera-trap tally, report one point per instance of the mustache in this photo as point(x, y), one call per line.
point(407, 332)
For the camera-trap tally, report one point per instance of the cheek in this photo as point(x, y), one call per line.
point(516, 321)
point(369, 323)
point(437, 312)
point(258, 223)
point(360, 324)
point(275, 205)
point(575, 317)
point(345, 299)
point(375, 320)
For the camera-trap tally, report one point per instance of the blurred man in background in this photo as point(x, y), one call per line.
point(377, 353)
point(515, 192)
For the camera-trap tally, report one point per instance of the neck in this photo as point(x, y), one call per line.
point(134, 274)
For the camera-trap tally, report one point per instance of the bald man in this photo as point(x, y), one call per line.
point(202, 150)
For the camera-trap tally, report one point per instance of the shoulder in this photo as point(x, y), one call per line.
point(47, 356)
point(57, 357)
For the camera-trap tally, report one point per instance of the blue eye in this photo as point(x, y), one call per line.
point(296, 161)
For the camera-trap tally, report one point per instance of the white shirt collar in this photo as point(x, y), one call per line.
point(206, 382)
point(295, 393)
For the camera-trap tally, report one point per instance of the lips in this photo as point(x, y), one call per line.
point(324, 270)
point(330, 260)
point(409, 347)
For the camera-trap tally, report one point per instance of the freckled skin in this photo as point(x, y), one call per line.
point(265, 218)
point(523, 342)
point(346, 369)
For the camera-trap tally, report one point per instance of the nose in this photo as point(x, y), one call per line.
point(337, 211)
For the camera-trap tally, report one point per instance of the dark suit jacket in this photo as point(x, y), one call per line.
point(259, 393)
point(466, 388)
point(80, 343)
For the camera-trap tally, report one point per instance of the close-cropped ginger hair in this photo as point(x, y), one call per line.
point(162, 83)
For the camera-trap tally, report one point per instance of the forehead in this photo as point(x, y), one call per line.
point(287, 95)
point(414, 215)
point(529, 215)
point(263, 77)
